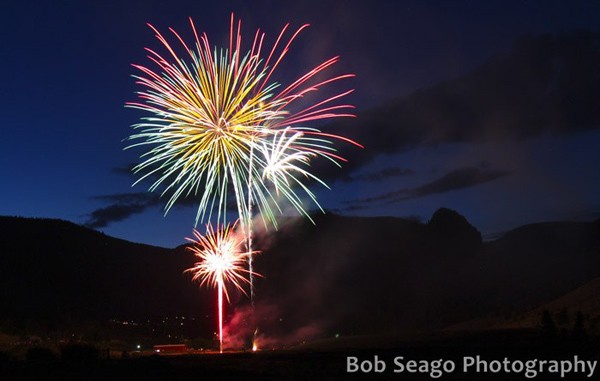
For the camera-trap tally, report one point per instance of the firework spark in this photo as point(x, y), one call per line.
point(222, 262)
point(213, 112)
point(284, 161)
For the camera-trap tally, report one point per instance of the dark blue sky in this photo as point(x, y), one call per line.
point(66, 77)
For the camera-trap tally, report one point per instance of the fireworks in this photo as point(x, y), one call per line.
point(283, 160)
point(219, 125)
point(222, 262)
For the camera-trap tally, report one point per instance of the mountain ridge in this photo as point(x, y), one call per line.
point(346, 274)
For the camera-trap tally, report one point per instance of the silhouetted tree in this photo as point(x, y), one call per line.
point(548, 327)
point(563, 335)
point(40, 354)
point(562, 317)
point(578, 327)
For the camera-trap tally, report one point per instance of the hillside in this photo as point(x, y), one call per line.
point(53, 269)
point(358, 275)
point(345, 275)
point(563, 310)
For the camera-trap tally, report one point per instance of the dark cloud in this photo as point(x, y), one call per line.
point(149, 172)
point(457, 179)
point(381, 175)
point(128, 198)
point(124, 205)
point(127, 170)
point(102, 217)
point(353, 207)
point(546, 84)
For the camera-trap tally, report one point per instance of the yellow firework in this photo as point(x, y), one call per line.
point(218, 125)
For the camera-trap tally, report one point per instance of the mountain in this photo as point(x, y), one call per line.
point(563, 309)
point(349, 275)
point(360, 275)
point(53, 269)
point(540, 262)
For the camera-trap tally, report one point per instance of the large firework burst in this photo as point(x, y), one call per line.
point(219, 125)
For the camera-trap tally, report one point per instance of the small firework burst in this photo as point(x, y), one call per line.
point(222, 262)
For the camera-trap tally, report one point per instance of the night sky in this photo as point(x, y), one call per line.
point(461, 104)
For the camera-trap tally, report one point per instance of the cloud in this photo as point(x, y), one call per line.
point(102, 217)
point(126, 170)
point(545, 84)
point(123, 206)
point(128, 198)
point(460, 178)
point(351, 208)
point(380, 175)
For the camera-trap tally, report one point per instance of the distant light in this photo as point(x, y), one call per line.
point(139, 346)
point(337, 335)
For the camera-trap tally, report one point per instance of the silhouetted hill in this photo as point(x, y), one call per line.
point(563, 309)
point(358, 275)
point(59, 270)
point(349, 275)
point(450, 231)
point(542, 261)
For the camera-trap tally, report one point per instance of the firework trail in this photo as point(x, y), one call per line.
point(222, 261)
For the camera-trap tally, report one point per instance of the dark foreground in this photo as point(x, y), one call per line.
point(332, 360)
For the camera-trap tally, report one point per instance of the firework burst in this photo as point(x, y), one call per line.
point(213, 113)
point(284, 162)
point(222, 261)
